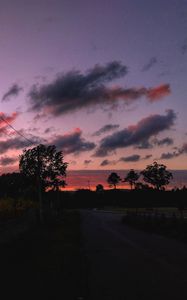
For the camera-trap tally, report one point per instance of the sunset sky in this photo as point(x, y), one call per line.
point(103, 80)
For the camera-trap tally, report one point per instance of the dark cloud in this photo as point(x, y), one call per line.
point(5, 160)
point(134, 158)
point(131, 158)
point(73, 90)
point(136, 135)
point(169, 155)
point(145, 144)
point(106, 128)
point(166, 141)
point(178, 152)
point(14, 90)
point(18, 143)
point(72, 142)
point(107, 162)
point(49, 130)
point(149, 64)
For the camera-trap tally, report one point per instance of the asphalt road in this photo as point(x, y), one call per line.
point(124, 263)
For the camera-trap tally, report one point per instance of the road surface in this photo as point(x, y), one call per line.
point(124, 263)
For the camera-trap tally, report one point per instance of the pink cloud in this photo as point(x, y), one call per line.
point(5, 120)
point(157, 93)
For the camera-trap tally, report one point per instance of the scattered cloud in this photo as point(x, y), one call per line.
point(106, 128)
point(149, 64)
point(136, 135)
point(14, 90)
point(33, 129)
point(49, 130)
point(178, 152)
point(5, 120)
point(39, 117)
point(72, 142)
point(18, 143)
point(87, 162)
point(72, 91)
point(155, 94)
point(134, 158)
point(5, 160)
point(131, 158)
point(166, 141)
point(107, 162)
point(169, 155)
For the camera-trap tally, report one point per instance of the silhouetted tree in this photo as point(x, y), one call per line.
point(157, 175)
point(46, 164)
point(99, 188)
point(142, 186)
point(131, 178)
point(113, 179)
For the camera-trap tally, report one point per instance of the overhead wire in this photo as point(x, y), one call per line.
point(19, 133)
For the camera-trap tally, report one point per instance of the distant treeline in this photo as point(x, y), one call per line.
point(118, 198)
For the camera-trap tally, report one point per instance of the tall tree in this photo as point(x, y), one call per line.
point(113, 179)
point(157, 175)
point(131, 178)
point(44, 164)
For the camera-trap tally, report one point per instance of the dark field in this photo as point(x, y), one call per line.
point(43, 263)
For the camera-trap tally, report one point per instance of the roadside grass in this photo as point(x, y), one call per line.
point(166, 221)
point(44, 263)
point(142, 210)
point(166, 225)
point(11, 208)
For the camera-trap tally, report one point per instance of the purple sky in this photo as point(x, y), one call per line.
point(103, 80)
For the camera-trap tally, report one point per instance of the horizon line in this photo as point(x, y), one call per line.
point(118, 169)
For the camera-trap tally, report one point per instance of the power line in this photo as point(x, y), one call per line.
point(20, 134)
point(39, 171)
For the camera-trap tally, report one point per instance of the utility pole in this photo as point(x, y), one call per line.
point(40, 187)
point(89, 185)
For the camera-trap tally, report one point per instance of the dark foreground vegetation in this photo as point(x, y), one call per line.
point(166, 223)
point(154, 211)
point(118, 198)
point(45, 262)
